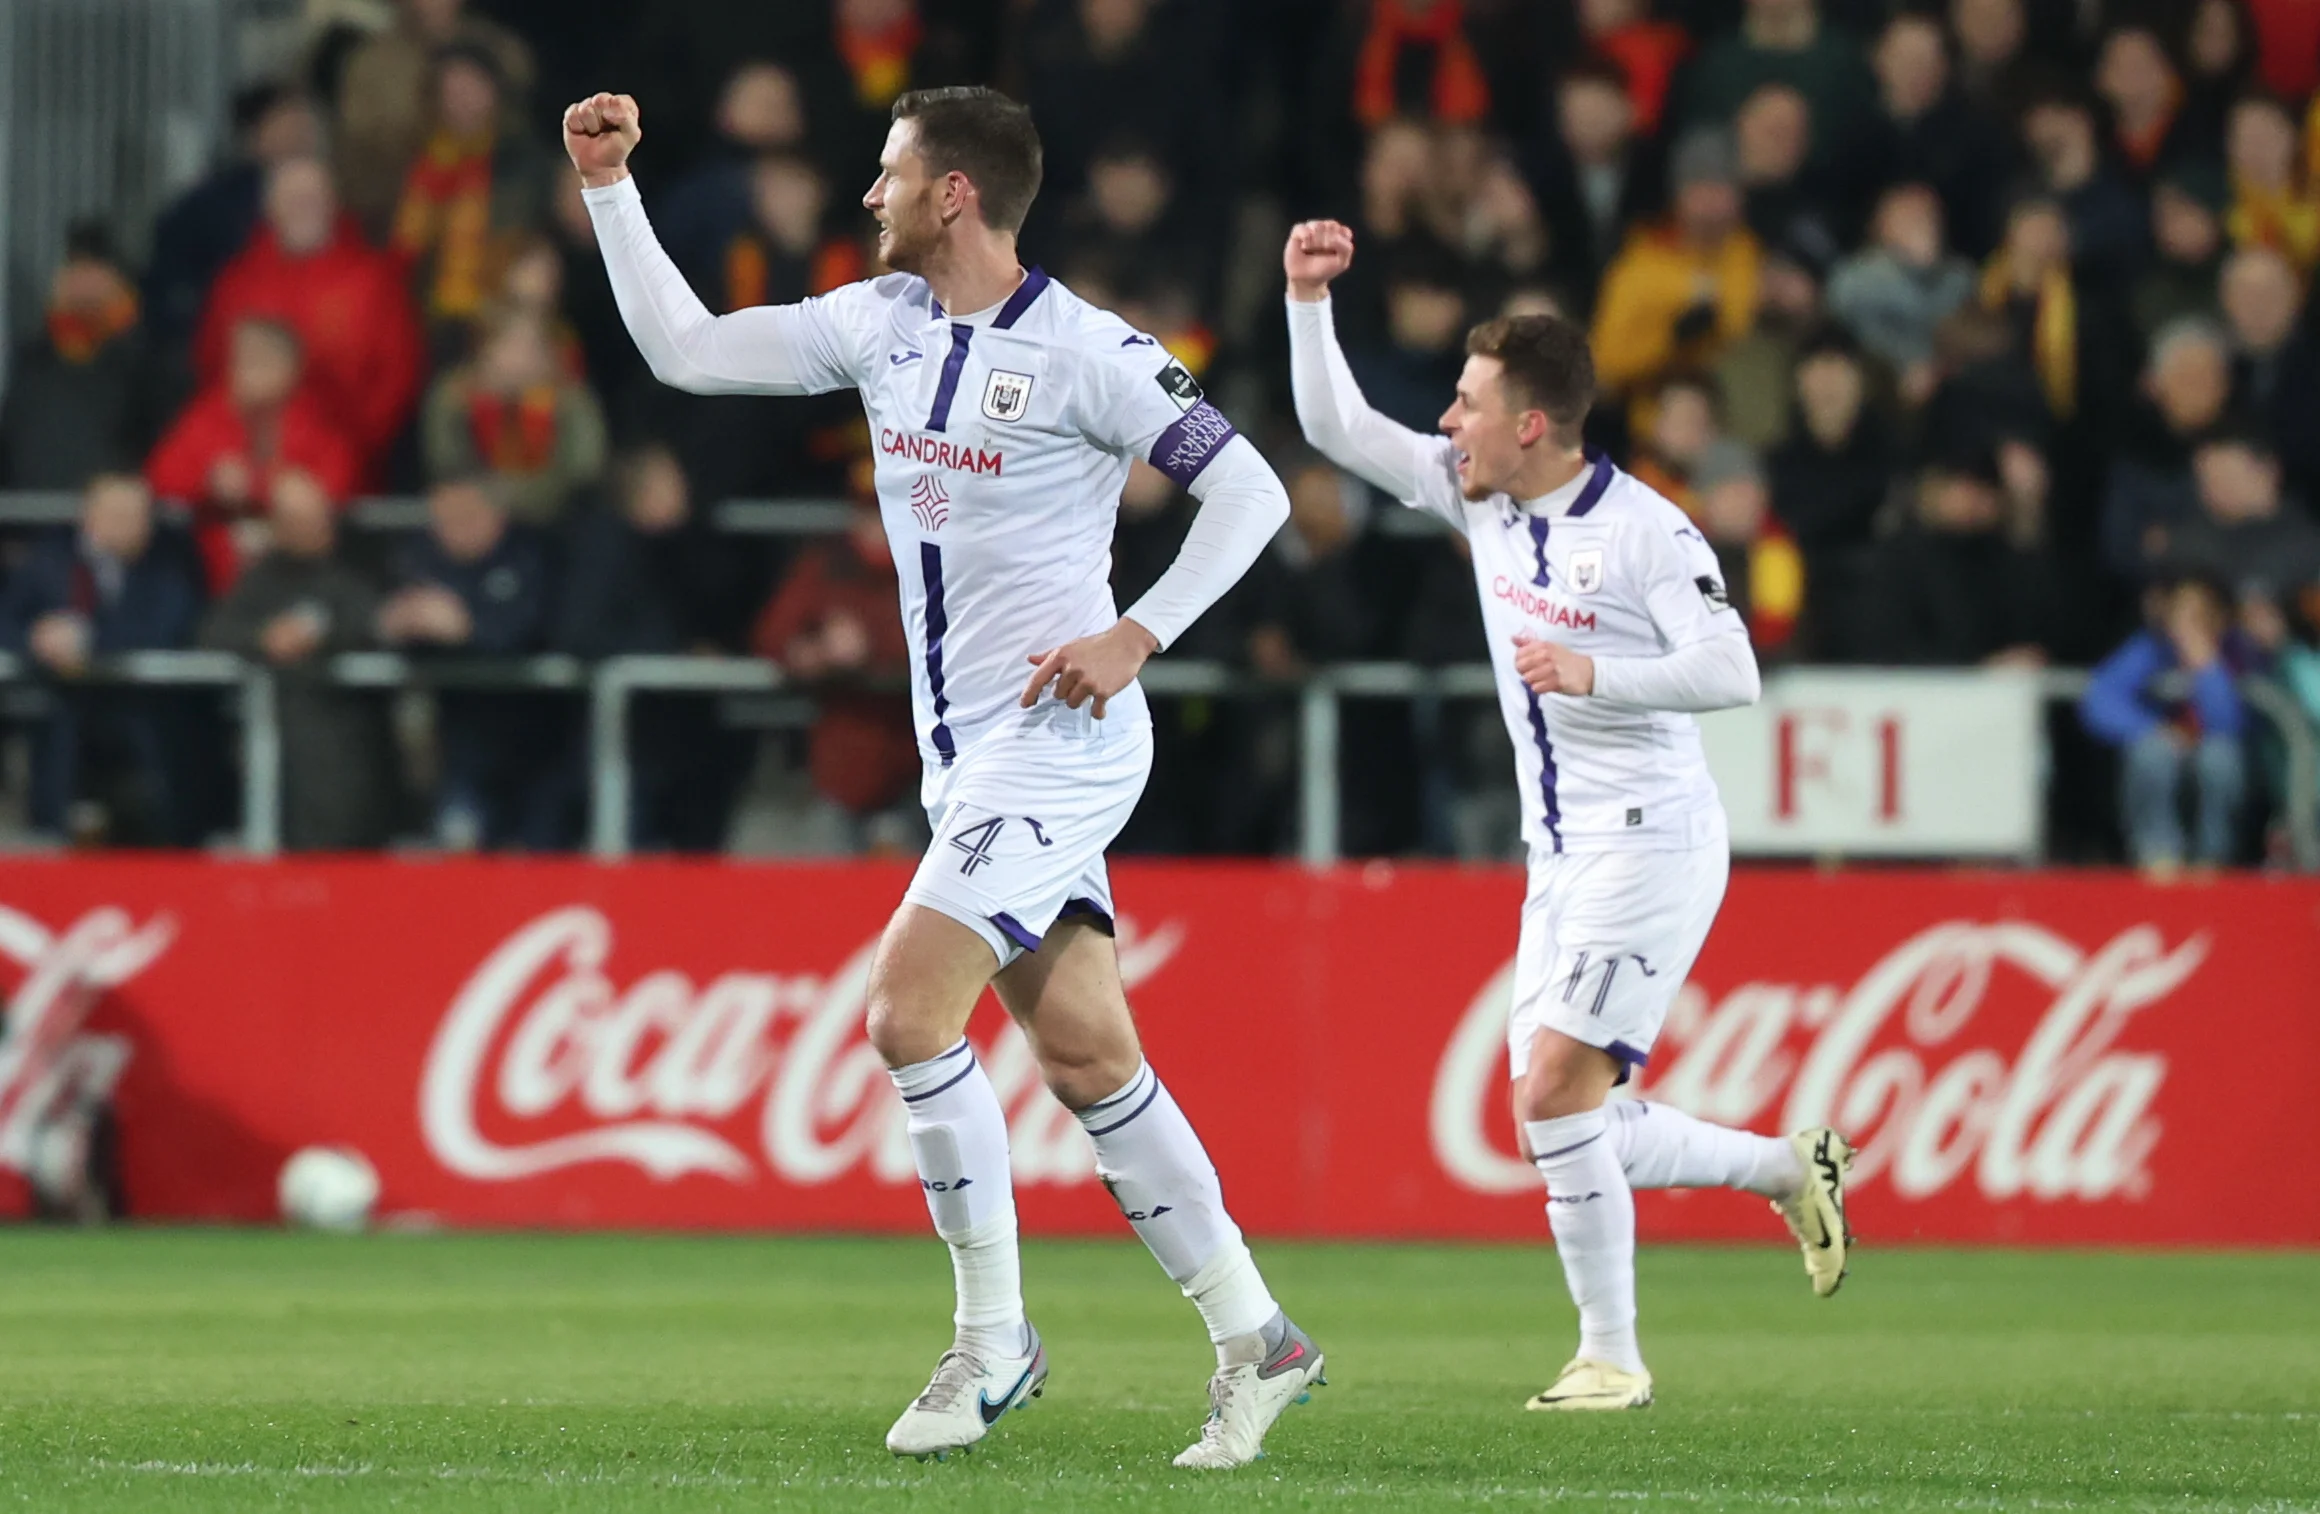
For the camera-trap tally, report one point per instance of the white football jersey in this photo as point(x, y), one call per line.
point(1002, 441)
point(1608, 566)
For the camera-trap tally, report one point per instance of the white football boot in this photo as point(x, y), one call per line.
point(1816, 1211)
point(1594, 1385)
point(968, 1395)
point(1245, 1398)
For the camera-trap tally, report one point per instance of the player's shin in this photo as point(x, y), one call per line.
point(1163, 1181)
point(1662, 1147)
point(1591, 1210)
point(958, 1136)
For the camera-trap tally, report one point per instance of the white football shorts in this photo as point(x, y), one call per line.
point(1607, 939)
point(1021, 822)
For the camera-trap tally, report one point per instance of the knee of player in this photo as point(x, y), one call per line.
point(901, 1037)
point(1087, 1078)
point(1570, 1078)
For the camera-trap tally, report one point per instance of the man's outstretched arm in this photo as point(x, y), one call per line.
point(769, 349)
point(1334, 416)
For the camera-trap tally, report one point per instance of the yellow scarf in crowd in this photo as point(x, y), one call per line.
point(2053, 329)
point(446, 212)
point(2283, 220)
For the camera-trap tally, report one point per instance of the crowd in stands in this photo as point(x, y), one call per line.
point(1971, 332)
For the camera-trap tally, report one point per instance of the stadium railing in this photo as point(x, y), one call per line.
point(610, 688)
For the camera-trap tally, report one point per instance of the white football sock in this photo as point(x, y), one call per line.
point(1163, 1181)
point(1662, 1147)
point(1591, 1210)
point(958, 1135)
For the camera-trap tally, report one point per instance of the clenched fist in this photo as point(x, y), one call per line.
point(1318, 251)
point(1549, 669)
point(600, 132)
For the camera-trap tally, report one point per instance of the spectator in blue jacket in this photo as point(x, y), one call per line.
point(2169, 700)
point(478, 584)
point(108, 762)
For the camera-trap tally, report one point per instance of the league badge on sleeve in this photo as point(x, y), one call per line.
point(1713, 592)
point(1586, 571)
point(1006, 395)
point(1182, 388)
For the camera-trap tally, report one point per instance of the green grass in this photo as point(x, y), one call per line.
point(175, 1371)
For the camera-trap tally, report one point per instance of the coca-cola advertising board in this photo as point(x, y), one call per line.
point(2022, 1057)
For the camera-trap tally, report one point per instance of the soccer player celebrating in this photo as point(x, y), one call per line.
point(1005, 411)
point(1609, 627)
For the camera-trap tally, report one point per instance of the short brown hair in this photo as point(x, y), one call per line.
point(986, 136)
point(1547, 366)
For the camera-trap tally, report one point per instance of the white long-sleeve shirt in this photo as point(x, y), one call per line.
point(1002, 439)
point(1604, 565)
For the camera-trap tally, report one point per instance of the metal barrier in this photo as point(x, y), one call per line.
point(611, 686)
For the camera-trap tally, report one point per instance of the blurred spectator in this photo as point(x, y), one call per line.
point(1593, 174)
point(760, 110)
point(1127, 225)
point(202, 229)
point(517, 414)
point(1684, 428)
point(1644, 52)
point(1678, 292)
point(1305, 601)
point(1772, 141)
point(1764, 573)
point(1964, 582)
point(295, 608)
point(1994, 69)
point(1892, 295)
point(2247, 534)
point(226, 453)
point(647, 574)
point(2137, 80)
point(310, 269)
point(1783, 42)
point(2187, 208)
point(478, 179)
point(1929, 135)
point(2029, 282)
point(835, 627)
point(2273, 200)
point(2288, 34)
point(1755, 373)
point(2276, 360)
point(80, 397)
point(1830, 478)
point(2169, 701)
point(2108, 223)
point(2219, 59)
point(1402, 215)
point(1408, 375)
point(100, 589)
point(1098, 70)
point(1417, 59)
point(476, 584)
point(2151, 493)
point(609, 356)
point(389, 96)
point(527, 281)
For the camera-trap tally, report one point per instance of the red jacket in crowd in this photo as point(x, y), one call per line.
point(365, 356)
point(303, 436)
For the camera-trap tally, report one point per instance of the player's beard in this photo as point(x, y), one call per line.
point(906, 248)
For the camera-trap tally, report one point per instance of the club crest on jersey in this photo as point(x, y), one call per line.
point(1586, 572)
point(1006, 395)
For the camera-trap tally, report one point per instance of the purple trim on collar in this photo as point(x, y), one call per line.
point(1599, 481)
point(1034, 284)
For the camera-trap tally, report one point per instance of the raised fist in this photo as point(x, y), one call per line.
point(1318, 251)
point(600, 132)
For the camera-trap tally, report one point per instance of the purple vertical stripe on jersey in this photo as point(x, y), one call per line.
point(1597, 482)
point(1033, 283)
point(947, 389)
point(1543, 579)
point(937, 622)
point(1547, 773)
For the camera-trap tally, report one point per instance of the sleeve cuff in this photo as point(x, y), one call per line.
point(620, 192)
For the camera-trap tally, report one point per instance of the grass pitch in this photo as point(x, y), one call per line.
point(172, 1371)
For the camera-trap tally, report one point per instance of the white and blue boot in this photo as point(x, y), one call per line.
point(969, 1393)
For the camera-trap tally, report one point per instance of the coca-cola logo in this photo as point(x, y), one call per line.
point(1902, 1061)
point(545, 1062)
point(48, 1062)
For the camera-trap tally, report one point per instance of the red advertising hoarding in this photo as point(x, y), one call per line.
point(2023, 1057)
